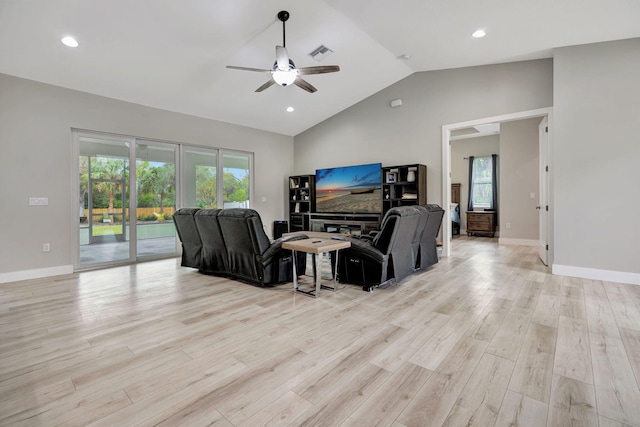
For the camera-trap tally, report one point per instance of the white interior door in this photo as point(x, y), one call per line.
point(543, 203)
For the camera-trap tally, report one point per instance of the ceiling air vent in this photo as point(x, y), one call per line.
point(320, 53)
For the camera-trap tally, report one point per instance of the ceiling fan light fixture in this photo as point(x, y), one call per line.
point(285, 78)
point(284, 71)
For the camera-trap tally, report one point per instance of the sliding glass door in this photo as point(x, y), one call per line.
point(129, 189)
point(155, 198)
point(103, 178)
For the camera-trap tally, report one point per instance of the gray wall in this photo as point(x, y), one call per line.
point(372, 131)
point(519, 177)
point(35, 161)
point(597, 156)
point(461, 149)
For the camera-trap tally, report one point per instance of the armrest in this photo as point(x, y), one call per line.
point(276, 247)
point(363, 249)
point(369, 237)
point(291, 237)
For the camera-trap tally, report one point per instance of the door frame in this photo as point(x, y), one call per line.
point(446, 168)
point(543, 188)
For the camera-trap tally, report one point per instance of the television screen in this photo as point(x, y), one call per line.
point(349, 189)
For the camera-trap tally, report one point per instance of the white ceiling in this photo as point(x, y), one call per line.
point(172, 54)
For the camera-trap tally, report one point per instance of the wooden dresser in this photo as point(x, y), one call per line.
point(481, 222)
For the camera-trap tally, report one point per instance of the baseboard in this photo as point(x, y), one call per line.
point(518, 242)
point(463, 232)
point(596, 274)
point(16, 276)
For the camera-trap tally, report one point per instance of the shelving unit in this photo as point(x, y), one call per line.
point(404, 185)
point(302, 201)
point(352, 224)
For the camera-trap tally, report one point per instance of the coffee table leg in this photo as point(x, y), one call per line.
point(335, 273)
point(295, 271)
point(317, 272)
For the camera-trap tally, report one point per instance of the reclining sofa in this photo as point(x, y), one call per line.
point(405, 244)
point(232, 243)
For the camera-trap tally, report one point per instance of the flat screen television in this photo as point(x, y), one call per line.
point(349, 189)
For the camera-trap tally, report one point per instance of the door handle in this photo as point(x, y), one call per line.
point(537, 207)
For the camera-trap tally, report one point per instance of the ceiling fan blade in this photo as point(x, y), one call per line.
point(282, 58)
point(268, 84)
point(259, 70)
point(320, 69)
point(304, 85)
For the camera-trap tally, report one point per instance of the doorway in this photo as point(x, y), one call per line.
point(446, 167)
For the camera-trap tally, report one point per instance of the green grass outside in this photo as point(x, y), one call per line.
point(145, 231)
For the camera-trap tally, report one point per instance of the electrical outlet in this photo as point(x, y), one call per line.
point(46, 247)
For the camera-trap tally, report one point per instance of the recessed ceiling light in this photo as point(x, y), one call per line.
point(479, 34)
point(290, 109)
point(69, 41)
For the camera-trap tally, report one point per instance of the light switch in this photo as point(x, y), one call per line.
point(532, 195)
point(38, 201)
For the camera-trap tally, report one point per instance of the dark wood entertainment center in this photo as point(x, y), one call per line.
point(401, 186)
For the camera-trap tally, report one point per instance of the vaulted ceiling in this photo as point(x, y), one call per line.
point(173, 54)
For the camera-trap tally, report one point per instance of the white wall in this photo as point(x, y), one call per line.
point(519, 177)
point(372, 131)
point(461, 149)
point(35, 161)
point(597, 160)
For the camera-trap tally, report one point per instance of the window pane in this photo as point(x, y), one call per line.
point(482, 193)
point(236, 169)
point(155, 198)
point(200, 173)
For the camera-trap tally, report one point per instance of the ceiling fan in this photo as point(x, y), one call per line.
point(284, 71)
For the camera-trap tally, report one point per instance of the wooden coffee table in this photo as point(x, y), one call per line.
point(315, 247)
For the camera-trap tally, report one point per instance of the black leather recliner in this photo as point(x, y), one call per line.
point(428, 254)
point(233, 243)
point(189, 237)
point(417, 238)
point(214, 251)
point(385, 259)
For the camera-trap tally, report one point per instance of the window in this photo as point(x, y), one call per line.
point(204, 187)
point(482, 183)
point(236, 180)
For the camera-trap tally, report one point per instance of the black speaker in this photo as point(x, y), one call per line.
point(279, 228)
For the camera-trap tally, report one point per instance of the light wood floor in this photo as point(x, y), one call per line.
point(486, 337)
